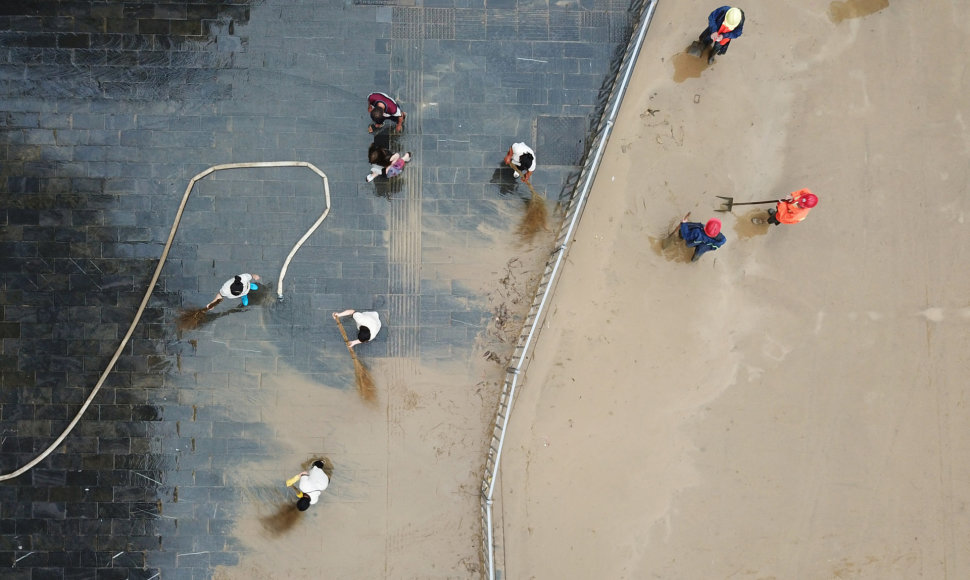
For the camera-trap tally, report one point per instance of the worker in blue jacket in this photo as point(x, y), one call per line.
point(702, 237)
point(724, 24)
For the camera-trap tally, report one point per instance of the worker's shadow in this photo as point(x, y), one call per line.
point(383, 187)
point(282, 521)
point(506, 181)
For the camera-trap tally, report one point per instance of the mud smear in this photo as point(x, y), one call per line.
point(282, 521)
point(746, 229)
point(839, 11)
point(434, 420)
point(535, 219)
point(669, 246)
point(193, 318)
point(190, 319)
point(688, 67)
point(675, 251)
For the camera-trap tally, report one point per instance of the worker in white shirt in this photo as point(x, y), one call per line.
point(309, 485)
point(368, 325)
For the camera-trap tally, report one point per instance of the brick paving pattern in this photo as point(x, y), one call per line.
point(110, 108)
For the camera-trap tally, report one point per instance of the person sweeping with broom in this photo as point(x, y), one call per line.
point(309, 485)
point(522, 159)
point(236, 287)
point(368, 325)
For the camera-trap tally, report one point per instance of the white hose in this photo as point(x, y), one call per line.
point(158, 271)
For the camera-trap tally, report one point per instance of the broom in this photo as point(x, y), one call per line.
point(191, 319)
point(365, 383)
point(536, 214)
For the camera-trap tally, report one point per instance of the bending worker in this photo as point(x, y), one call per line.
point(702, 237)
point(309, 485)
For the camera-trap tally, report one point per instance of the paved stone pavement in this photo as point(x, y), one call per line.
point(109, 108)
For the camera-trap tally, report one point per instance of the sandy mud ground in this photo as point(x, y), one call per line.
point(793, 405)
point(406, 469)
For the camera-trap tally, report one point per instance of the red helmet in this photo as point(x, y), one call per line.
point(807, 199)
point(713, 227)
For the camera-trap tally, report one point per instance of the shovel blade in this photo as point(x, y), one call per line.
point(728, 204)
point(695, 49)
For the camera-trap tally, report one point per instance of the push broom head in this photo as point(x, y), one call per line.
point(536, 218)
point(365, 382)
point(190, 319)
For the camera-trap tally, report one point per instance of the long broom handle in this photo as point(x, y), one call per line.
point(343, 333)
point(514, 168)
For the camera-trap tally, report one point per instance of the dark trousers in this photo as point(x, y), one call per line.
point(700, 251)
point(705, 39)
point(772, 218)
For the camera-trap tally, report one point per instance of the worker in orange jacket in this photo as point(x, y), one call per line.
point(791, 209)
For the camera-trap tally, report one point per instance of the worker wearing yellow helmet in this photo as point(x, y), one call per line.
point(724, 24)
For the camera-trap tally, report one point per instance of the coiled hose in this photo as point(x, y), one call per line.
point(158, 270)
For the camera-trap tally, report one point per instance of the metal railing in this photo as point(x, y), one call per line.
point(613, 91)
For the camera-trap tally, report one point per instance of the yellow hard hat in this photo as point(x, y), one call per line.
point(733, 17)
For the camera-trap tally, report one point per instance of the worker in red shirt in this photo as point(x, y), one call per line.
point(792, 209)
point(382, 107)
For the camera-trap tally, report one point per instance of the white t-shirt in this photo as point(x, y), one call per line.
point(245, 278)
point(519, 149)
point(369, 319)
point(313, 483)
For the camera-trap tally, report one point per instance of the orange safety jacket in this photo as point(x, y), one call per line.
point(790, 213)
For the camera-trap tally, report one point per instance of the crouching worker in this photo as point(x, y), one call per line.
point(702, 237)
point(309, 485)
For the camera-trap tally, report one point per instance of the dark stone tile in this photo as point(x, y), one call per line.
point(94, 527)
point(73, 41)
point(65, 560)
point(38, 573)
point(49, 510)
point(78, 573)
point(47, 477)
point(85, 573)
point(113, 510)
point(81, 510)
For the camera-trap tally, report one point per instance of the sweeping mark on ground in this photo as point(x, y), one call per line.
point(839, 11)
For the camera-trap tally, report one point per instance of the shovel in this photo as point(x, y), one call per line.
point(730, 203)
point(673, 233)
point(696, 48)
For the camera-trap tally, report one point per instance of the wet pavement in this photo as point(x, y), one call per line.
point(110, 108)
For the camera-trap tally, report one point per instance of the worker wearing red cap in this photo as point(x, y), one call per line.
point(793, 208)
point(702, 237)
